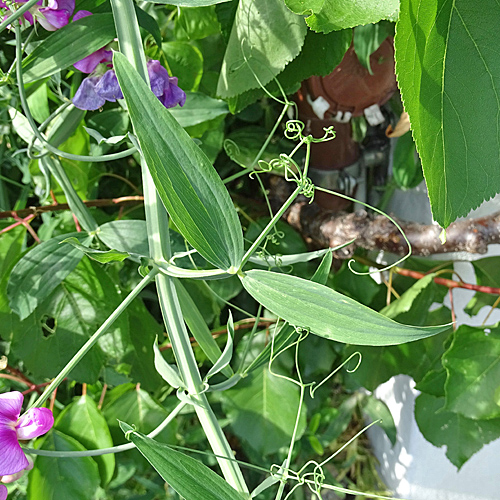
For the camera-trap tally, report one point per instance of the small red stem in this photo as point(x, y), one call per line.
point(449, 283)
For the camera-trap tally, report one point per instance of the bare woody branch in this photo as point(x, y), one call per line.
point(325, 228)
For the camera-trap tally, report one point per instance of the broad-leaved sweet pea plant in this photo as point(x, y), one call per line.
point(72, 302)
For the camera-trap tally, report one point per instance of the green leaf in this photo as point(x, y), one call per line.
point(199, 108)
point(129, 236)
point(321, 274)
point(60, 479)
point(264, 38)
point(286, 334)
point(195, 23)
point(40, 271)
point(38, 104)
point(83, 421)
point(462, 436)
point(102, 256)
point(143, 331)
point(263, 409)
point(48, 338)
point(444, 54)
point(367, 39)
point(377, 409)
point(412, 307)
point(379, 364)
point(149, 23)
point(362, 287)
point(135, 405)
point(332, 15)
point(190, 478)
point(68, 45)
point(186, 62)
point(187, 183)
point(473, 366)
point(342, 417)
point(487, 274)
point(319, 56)
point(327, 313)
point(198, 327)
point(406, 167)
point(433, 383)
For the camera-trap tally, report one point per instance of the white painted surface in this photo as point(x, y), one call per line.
point(415, 469)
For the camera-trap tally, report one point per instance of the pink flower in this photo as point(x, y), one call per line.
point(32, 424)
point(54, 16)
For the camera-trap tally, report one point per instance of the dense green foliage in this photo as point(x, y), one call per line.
point(283, 380)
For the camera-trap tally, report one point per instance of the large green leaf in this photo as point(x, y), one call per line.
point(68, 45)
point(63, 479)
point(188, 476)
point(143, 331)
point(473, 366)
point(130, 236)
point(265, 37)
point(462, 436)
point(326, 312)
point(187, 183)
point(134, 405)
point(449, 74)
point(319, 56)
point(82, 421)
point(199, 108)
point(331, 15)
point(48, 338)
point(186, 62)
point(263, 409)
point(40, 271)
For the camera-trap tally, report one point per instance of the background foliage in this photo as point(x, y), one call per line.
point(54, 295)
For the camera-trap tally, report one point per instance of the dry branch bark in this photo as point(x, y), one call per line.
point(325, 228)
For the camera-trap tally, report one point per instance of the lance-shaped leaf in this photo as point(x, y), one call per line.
point(189, 477)
point(449, 74)
point(188, 185)
point(40, 271)
point(68, 45)
point(326, 312)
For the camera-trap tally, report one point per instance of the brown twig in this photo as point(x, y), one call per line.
point(103, 395)
point(34, 211)
point(447, 282)
point(326, 228)
point(242, 325)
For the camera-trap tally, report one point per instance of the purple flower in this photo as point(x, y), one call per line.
point(33, 423)
point(86, 97)
point(164, 86)
point(90, 63)
point(94, 91)
point(54, 16)
point(27, 15)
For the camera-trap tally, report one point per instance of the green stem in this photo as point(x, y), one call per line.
point(33, 125)
point(262, 149)
point(106, 451)
point(130, 44)
point(81, 211)
point(17, 14)
point(92, 340)
point(269, 226)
